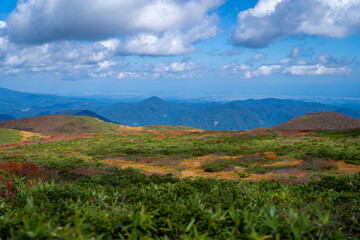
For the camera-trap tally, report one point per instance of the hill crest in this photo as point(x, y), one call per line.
point(320, 121)
point(55, 124)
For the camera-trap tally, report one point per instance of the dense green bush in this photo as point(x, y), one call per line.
point(123, 205)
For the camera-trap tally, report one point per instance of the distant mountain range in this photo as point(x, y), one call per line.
point(22, 105)
point(6, 117)
point(236, 115)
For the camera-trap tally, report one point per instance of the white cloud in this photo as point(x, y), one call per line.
point(4, 45)
point(63, 59)
point(246, 71)
point(235, 68)
point(284, 61)
point(257, 57)
point(175, 67)
point(2, 24)
point(111, 44)
point(271, 20)
point(317, 69)
point(147, 27)
point(105, 65)
point(264, 70)
point(122, 75)
point(172, 42)
point(3, 30)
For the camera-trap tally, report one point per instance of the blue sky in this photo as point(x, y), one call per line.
point(178, 48)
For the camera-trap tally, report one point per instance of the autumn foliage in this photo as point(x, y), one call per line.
point(25, 169)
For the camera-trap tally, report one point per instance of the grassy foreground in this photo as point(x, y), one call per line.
point(71, 187)
point(9, 136)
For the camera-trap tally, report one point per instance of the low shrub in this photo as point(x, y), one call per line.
point(25, 169)
point(317, 164)
point(263, 170)
point(243, 174)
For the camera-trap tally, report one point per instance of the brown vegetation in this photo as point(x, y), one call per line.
point(320, 121)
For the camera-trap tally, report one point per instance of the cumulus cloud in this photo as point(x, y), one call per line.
point(246, 71)
point(61, 58)
point(271, 20)
point(175, 67)
point(264, 70)
point(148, 27)
point(125, 74)
point(235, 68)
point(317, 69)
point(3, 27)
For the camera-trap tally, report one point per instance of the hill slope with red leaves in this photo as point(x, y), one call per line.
point(320, 121)
point(55, 124)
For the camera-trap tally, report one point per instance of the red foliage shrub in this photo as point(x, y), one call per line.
point(29, 169)
point(159, 137)
point(304, 130)
point(288, 133)
point(12, 167)
point(25, 169)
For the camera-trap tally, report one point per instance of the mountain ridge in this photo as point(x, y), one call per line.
point(235, 115)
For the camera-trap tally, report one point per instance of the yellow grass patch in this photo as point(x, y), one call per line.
point(128, 128)
point(27, 135)
point(347, 168)
point(194, 167)
point(292, 162)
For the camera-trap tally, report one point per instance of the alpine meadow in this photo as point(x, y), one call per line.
point(179, 119)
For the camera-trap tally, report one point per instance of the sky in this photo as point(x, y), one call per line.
point(181, 48)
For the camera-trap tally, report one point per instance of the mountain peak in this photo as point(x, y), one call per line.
point(154, 99)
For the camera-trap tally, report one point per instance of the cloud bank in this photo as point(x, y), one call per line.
point(148, 27)
point(271, 20)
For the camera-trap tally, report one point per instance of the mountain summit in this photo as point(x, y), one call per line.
point(154, 99)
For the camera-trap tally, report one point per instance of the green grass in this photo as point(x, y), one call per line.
point(9, 136)
point(169, 128)
point(128, 205)
point(142, 145)
point(85, 124)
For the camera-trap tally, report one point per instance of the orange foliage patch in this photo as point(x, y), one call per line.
point(288, 133)
point(25, 169)
point(159, 137)
point(11, 166)
point(271, 155)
